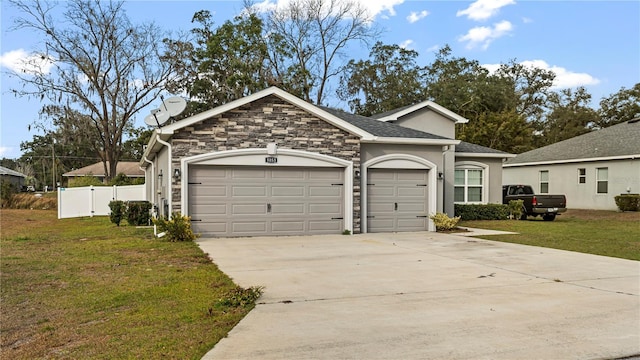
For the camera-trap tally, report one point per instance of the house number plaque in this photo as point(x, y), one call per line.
point(271, 160)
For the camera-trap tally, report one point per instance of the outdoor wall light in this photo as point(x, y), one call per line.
point(176, 173)
point(440, 175)
point(160, 175)
point(356, 173)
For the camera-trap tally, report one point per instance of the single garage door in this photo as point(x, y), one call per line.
point(254, 201)
point(396, 200)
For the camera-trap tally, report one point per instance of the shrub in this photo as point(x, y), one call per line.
point(8, 190)
point(176, 229)
point(482, 211)
point(443, 222)
point(515, 208)
point(88, 180)
point(137, 213)
point(628, 202)
point(117, 211)
point(239, 297)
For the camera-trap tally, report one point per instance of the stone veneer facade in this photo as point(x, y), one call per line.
point(268, 120)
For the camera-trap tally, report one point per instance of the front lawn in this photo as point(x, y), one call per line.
point(608, 233)
point(85, 288)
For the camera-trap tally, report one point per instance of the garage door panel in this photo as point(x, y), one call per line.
point(248, 209)
point(240, 173)
point(380, 225)
point(419, 176)
point(287, 191)
point(326, 174)
point(412, 223)
point(412, 191)
point(213, 209)
point(381, 175)
point(208, 190)
point(243, 191)
point(331, 208)
point(292, 209)
point(248, 227)
point(381, 191)
point(302, 200)
point(412, 208)
point(333, 226)
point(325, 191)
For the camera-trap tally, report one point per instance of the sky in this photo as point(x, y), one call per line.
point(595, 44)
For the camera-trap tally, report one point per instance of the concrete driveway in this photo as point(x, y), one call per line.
point(427, 296)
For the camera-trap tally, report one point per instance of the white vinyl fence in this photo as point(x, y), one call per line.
point(94, 200)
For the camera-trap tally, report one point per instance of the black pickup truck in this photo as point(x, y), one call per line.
point(548, 206)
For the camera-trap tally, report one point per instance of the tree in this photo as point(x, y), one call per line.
point(569, 116)
point(619, 107)
point(226, 63)
point(102, 66)
point(307, 39)
point(390, 79)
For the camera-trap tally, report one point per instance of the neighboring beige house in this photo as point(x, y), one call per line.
point(590, 169)
point(129, 168)
point(273, 164)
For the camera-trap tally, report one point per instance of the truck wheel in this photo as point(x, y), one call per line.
point(549, 217)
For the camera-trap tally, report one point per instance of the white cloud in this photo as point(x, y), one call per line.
point(484, 35)
point(484, 9)
point(527, 20)
point(381, 8)
point(406, 44)
point(564, 78)
point(414, 16)
point(4, 151)
point(22, 62)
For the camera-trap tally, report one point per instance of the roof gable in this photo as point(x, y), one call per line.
point(317, 111)
point(617, 141)
point(405, 110)
point(9, 172)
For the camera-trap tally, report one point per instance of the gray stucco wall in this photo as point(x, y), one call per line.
point(430, 122)
point(268, 120)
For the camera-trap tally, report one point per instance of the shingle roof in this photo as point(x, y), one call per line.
point(618, 140)
point(129, 168)
point(387, 113)
point(6, 171)
point(381, 128)
point(465, 147)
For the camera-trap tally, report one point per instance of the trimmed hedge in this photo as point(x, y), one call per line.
point(138, 213)
point(628, 202)
point(482, 211)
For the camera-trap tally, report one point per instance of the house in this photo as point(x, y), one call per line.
point(590, 169)
point(12, 177)
point(129, 168)
point(273, 164)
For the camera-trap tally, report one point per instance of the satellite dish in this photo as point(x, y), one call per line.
point(174, 105)
point(157, 118)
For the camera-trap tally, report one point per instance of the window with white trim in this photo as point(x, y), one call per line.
point(582, 176)
point(602, 177)
point(469, 185)
point(544, 181)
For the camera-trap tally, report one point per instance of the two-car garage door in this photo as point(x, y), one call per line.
point(252, 200)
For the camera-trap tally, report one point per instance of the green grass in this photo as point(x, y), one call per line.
point(607, 233)
point(84, 288)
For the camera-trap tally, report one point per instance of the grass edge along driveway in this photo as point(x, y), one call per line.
point(608, 233)
point(85, 288)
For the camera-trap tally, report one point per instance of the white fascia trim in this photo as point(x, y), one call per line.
point(410, 141)
point(431, 105)
point(170, 129)
point(432, 186)
point(569, 161)
point(485, 155)
point(329, 160)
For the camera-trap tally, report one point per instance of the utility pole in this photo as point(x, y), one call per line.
point(53, 158)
